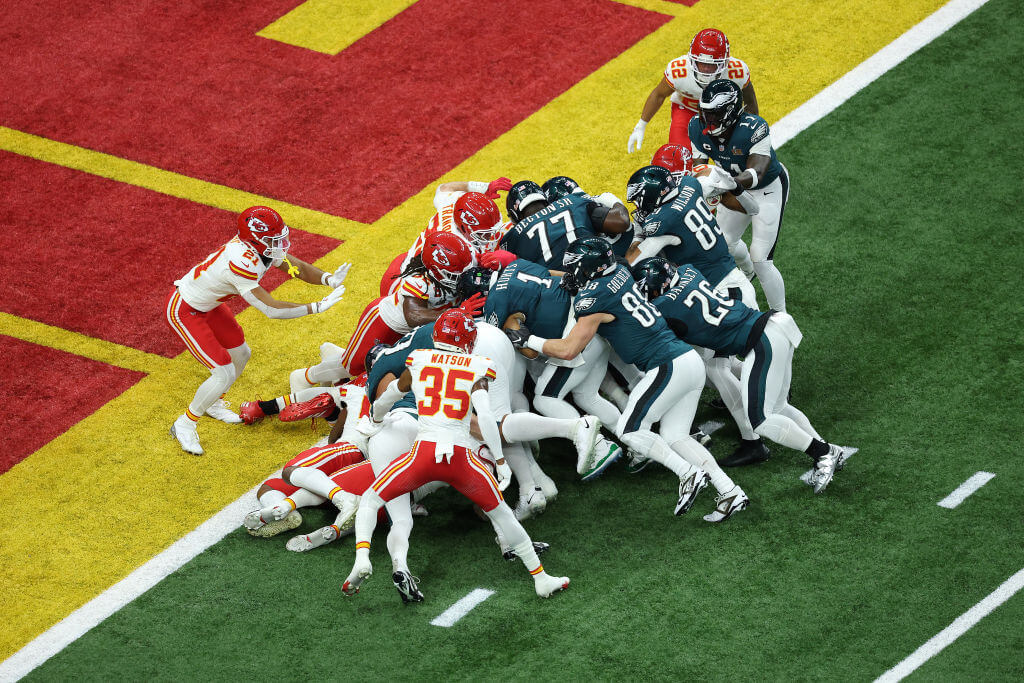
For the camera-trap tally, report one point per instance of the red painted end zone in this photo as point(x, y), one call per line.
point(99, 257)
point(189, 87)
point(45, 392)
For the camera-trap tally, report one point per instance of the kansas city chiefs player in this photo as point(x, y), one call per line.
point(684, 79)
point(449, 384)
point(196, 312)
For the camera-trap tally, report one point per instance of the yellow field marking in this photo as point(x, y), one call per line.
point(674, 9)
point(329, 26)
point(80, 344)
point(123, 454)
point(170, 183)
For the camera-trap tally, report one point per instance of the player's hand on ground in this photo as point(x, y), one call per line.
point(497, 185)
point(518, 337)
point(636, 138)
point(329, 300)
point(338, 276)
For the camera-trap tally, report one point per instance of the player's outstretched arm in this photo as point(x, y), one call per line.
point(651, 107)
point(650, 246)
point(567, 348)
point(417, 312)
point(750, 98)
point(394, 391)
point(261, 300)
point(489, 431)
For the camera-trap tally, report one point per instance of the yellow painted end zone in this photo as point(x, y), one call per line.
point(329, 26)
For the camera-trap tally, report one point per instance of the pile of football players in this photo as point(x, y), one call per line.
point(598, 325)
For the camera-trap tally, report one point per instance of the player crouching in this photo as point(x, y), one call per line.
point(447, 381)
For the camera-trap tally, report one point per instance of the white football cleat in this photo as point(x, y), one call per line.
point(361, 570)
point(546, 483)
point(727, 504)
point(637, 461)
point(808, 476)
point(584, 435)
point(304, 542)
point(547, 585)
point(689, 488)
point(184, 430)
point(826, 467)
point(604, 454)
point(531, 504)
point(278, 511)
point(220, 411)
point(255, 525)
point(348, 505)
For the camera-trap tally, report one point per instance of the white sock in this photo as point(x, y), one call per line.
point(216, 385)
point(771, 283)
point(312, 479)
point(698, 456)
point(270, 498)
point(527, 427)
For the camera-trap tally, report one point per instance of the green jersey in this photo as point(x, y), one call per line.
point(689, 218)
point(544, 236)
point(703, 317)
point(392, 361)
point(638, 334)
point(731, 153)
point(525, 287)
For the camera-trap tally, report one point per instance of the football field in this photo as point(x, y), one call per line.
point(133, 133)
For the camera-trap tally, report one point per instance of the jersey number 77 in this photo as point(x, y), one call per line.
point(539, 230)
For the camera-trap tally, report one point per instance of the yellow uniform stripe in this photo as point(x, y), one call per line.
point(244, 273)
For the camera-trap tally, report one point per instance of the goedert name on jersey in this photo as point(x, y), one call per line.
point(442, 382)
point(680, 74)
point(232, 270)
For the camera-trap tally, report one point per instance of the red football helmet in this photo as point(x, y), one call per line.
point(445, 255)
point(478, 219)
point(264, 229)
point(675, 158)
point(455, 331)
point(709, 53)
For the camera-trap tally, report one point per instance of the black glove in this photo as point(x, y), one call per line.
point(518, 337)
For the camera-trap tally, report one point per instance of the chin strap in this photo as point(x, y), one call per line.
point(292, 270)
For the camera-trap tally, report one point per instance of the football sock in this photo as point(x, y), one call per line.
point(796, 415)
point(270, 407)
point(513, 534)
point(401, 528)
point(817, 448)
point(729, 388)
point(654, 447)
point(772, 284)
point(366, 518)
point(594, 404)
point(698, 456)
point(615, 393)
point(312, 479)
point(216, 385)
point(239, 357)
point(515, 456)
point(549, 406)
point(270, 498)
point(527, 426)
point(741, 254)
point(784, 431)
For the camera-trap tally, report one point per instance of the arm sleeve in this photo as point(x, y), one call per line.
point(488, 426)
point(386, 400)
point(270, 311)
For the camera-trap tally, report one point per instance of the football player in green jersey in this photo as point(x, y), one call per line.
point(703, 316)
point(608, 303)
point(740, 144)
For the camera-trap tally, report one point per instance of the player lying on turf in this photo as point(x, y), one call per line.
point(449, 383)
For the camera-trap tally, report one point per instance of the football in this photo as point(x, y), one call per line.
point(726, 199)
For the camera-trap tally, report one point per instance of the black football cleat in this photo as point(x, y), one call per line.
point(407, 588)
point(539, 547)
point(747, 453)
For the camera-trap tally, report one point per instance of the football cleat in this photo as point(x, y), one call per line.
point(407, 585)
point(348, 505)
point(701, 438)
point(361, 570)
point(530, 504)
point(825, 468)
point(808, 476)
point(547, 586)
point(304, 542)
point(255, 525)
point(689, 488)
point(636, 461)
point(419, 510)
point(220, 411)
point(184, 430)
point(546, 484)
point(727, 504)
point(604, 455)
point(320, 405)
point(583, 437)
point(250, 412)
point(747, 453)
point(539, 547)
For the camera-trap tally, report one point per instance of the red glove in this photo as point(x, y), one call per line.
point(499, 184)
point(497, 259)
point(473, 304)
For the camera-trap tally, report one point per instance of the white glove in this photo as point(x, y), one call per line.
point(636, 138)
point(503, 473)
point(328, 301)
point(748, 203)
point(334, 280)
point(368, 427)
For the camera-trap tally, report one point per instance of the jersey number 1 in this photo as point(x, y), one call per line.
point(454, 403)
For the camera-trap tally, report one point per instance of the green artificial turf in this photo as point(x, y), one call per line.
point(901, 252)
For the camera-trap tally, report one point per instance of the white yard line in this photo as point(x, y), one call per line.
point(148, 575)
point(460, 609)
point(959, 627)
point(977, 480)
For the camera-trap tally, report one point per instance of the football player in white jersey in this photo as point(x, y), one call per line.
point(449, 383)
point(684, 79)
point(196, 312)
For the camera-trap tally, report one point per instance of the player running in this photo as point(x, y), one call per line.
point(449, 383)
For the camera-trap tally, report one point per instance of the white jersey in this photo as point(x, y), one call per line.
point(416, 286)
point(353, 398)
point(680, 74)
point(442, 382)
point(232, 270)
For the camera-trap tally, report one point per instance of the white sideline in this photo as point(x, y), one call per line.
point(461, 608)
point(959, 627)
point(148, 575)
point(959, 495)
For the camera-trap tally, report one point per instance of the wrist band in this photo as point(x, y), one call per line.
point(323, 277)
point(753, 175)
point(477, 186)
point(536, 343)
